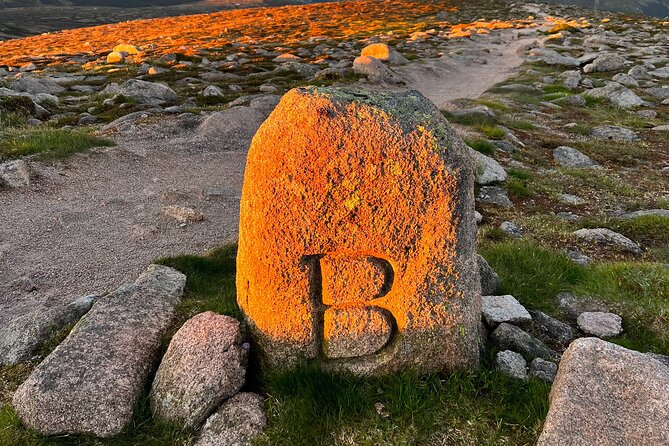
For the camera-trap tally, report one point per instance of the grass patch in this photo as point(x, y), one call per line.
point(48, 143)
point(519, 124)
point(311, 407)
point(639, 292)
point(492, 131)
point(482, 145)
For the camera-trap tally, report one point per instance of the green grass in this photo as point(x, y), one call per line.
point(650, 231)
point(638, 291)
point(481, 145)
point(48, 143)
point(492, 131)
point(311, 407)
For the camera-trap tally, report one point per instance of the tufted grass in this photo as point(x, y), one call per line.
point(47, 143)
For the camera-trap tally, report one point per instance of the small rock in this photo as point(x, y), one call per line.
point(144, 92)
point(605, 62)
point(571, 79)
point(572, 158)
point(116, 57)
point(552, 330)
point(511, 364)
point(182, 214)
point(608, 237)
point(212, 90)
point(542, 369)
point(487, 170)
point(647, 212)
point(571, 199)
point(510, 337)
point(382, 51)
point(640, 73)
point(614, 133)
point(494, 195)
point(490, 280)
point(15, 174)
point(287, 57)
point(572, 306)
point(626, 80)
point(617, 94)
point(511, 229)
point(375, 70)
point(238, 421)
point(204, 365)
point(602, 325)
point(126, 48)
point(498, 309)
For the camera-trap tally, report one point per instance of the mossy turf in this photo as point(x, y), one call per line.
point(47, 143)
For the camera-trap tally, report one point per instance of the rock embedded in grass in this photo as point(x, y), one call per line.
point(617, 94)
point(510, 337)
point(91, 383)
point(605, 394)
point(494, 195)
point(498, 309)
point(606, 236)
point(615, 133)
point(511, 364)
point(572, 158)
point(144, 92)
point(487, 169)
point(542, 369)
point(203, 365)
point(573, 306)
point(490, 280)
point(600, 324)
point(236, 423)
point(605, 62)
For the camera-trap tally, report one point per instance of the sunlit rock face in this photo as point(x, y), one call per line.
point(357, 235)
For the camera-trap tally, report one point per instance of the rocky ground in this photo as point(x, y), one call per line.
point(567, 119)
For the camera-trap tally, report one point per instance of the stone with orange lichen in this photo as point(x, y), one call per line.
point(357, 235)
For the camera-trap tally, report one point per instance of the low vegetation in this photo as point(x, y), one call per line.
point(47, 143)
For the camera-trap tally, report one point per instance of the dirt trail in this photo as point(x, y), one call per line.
point(93, 222)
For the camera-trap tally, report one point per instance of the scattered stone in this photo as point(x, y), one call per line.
point(578, 257)
point(511, 229)
point(647, 212)
point(490, 280)
point(116, 57)
point(212, 90)
point(510, 337)
point(511, 364)
point(658, 92)
point(231, 129)
point(614, 133)
point(126, 48)
point(15, 174)
point(640, 73)
point(602, 325)
point(182, 214)
point(375, 70)
point(572, 158)
point(204, 365)
point(91, 382)
point(571, 199)
point(572, 306)
point(34, 85)
point(608, 237)
point(542, 369)
point(661, 128)
point(617, 94)
point(22, 336)
point(605, 394)
point(605, 62)
point(571, 79)
point(494, 195)
point(353, 130)
point(382, 51)
point(287, 57)
point(87, 119)
point(498, 309)
point(144, 92)
point(552, 330)
point(552, 57)
point(626, 80)
point(487, 170)
point(505, 146)
point(238, 421)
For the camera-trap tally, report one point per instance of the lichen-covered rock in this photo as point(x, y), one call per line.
point(614, 133)
point(204, 364)
point(91, 382)
point(151, 93)
point(357, 231)
point(617, 94)
point(382, 51)
point(605, 62)
point(238, 421)
point(375, 70)
point(607, 395)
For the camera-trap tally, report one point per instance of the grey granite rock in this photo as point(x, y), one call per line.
point(498, 309)
point(615, 133)
point(490, 280)
point(91, 382)
point(608, 237)
point(600, 324)
point(510, 337)
point(552, 330)
point(542, 369)
point(511, 364)
point(236, 423)
point(572, 158)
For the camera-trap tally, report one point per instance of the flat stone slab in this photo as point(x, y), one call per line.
point(600, 324)
point(607, 395)
point(91, 382)
point(498, 309)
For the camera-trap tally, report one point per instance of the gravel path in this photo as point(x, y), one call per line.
point(94, 221)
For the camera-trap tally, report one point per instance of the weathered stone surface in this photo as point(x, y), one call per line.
point(571, 79)
point(647, 212)
point(204, 364)
point(511, 364)
point(608, 237)
point(238, 421)
point(600, 324)
point(376, 190)
point(115, 57)
point(498, 309)
point(490, 280)
point(615, 133)
point(552, 330)
point(20, 337)
point(605, 62)
point(510, 337)
point(375, 70)
point(542, 369)
point(573, 306)
point(487, 169)
point(232, 128)
point(617, 94)
point(570, 157)
point(14, 174)
point(494, 195)
point(145, 92)
point(91, 382)
point(382, 51)
point(34, 85)
point(552, 57)
point(607, 395)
